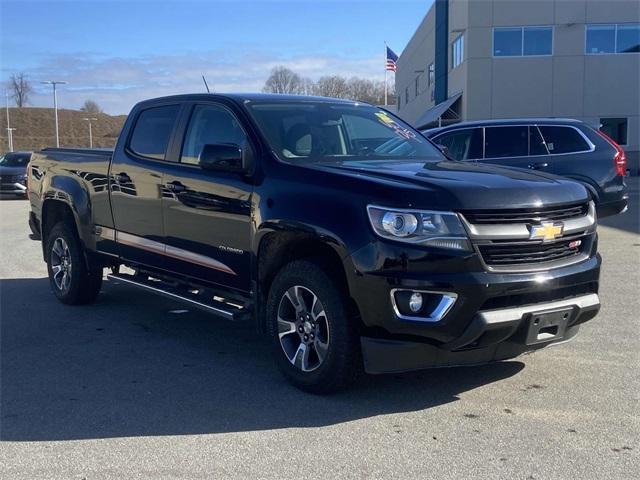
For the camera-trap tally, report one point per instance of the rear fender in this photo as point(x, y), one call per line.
point(72, 193)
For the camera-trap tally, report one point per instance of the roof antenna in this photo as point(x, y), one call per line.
point(205, 84)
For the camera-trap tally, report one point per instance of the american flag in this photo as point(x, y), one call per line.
point(391, 60)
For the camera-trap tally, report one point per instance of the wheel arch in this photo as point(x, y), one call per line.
point(277, 249)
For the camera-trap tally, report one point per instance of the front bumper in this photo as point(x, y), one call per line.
point(13, 189)
point(489, 320)
point(492, 335)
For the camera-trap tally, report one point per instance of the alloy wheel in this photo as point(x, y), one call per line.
point(61, 265)
point(303, 329)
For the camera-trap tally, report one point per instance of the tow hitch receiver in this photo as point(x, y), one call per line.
point(548, 325)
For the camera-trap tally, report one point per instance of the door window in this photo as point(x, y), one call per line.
point(210, 124)
point(501, 142)
point(152, 131)
point(560, 139)
point(463, 144)
point(536, 142)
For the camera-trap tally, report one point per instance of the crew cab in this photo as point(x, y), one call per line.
point(336, 229)
point(561, 146)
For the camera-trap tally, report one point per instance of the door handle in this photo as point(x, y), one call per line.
point(123, 178)
point(538, 166)
point(176, 186)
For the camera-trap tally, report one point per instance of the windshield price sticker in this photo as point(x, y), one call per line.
point(389, 122)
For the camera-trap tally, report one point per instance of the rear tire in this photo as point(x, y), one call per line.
point(72, 282)
point(314, 339)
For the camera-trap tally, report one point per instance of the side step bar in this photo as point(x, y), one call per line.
point(198, 297)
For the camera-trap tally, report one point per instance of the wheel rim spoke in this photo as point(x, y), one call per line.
point(301, 358)
point(58, 249)
point(285, 327)
point(321, 348)
point(317, 311)
point(293, 295)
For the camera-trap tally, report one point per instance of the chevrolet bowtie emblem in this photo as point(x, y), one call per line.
point(546, 231)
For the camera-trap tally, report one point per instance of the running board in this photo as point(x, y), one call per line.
point(198, 297)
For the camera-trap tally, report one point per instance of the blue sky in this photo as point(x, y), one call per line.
point(119, 52)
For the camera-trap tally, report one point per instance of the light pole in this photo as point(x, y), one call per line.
point(90, 134)
point(55, 104)
point(9, 130)
point(10, 135)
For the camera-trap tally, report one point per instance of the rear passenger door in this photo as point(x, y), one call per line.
point(207, 214)
point(136, 181)
point(507, 145)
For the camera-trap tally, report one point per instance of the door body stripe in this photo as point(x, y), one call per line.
point(163, 249)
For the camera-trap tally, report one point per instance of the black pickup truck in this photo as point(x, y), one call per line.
point(334, 227)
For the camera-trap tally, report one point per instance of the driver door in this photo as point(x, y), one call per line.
point(207, 215)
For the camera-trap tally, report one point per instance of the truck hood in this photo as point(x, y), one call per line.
point(465, 185)
point(6, 171)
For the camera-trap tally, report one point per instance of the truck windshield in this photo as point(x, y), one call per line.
point(13, 160)
point(335, 132)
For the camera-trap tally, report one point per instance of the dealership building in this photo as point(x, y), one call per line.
point(492, 59)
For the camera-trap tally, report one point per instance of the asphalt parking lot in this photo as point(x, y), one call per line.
point(130, 388)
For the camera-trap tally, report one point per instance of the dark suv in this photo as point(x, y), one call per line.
point(13, 173)
point(560, 146)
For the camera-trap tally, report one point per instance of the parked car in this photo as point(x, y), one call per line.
point(331, 226)
point(560, 146)
point(13, 173)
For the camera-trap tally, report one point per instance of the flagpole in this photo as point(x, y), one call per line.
point(385, 73)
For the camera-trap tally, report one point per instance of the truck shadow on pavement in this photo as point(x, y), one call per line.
point(127, 366)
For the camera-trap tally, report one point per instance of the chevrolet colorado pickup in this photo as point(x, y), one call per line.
point(341, 232)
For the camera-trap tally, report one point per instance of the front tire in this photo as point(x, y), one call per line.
point(72, 281)
point(314, 339)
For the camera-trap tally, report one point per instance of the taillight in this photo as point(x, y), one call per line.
point(620, 158)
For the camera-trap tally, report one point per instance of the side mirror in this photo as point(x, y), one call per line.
point(223, 157)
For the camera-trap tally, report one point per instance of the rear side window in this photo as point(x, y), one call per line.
point(500, 142)
point(560, 139)
point(463, 144)
point(536, 142)
point(152, 131)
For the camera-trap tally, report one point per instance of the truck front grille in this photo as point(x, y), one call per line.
point(530, 216)
point(523, 253)
point(514, 240)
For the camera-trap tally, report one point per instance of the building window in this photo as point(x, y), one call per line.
point(417, 85)
point(432, 74)
point(457, 51)
point(406, 95)
point(522, 41)
point(620, 38)
point(616, 128)
point(399, 102)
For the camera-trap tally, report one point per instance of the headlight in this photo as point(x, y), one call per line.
point(424, 227)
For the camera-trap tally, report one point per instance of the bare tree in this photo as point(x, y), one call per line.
point(332, 86)
point(283, 80)
point(307, 86)
point(91, 106)
point(21, 88)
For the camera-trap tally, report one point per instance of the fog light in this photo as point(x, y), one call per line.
point(415, 302)
point(422, 305)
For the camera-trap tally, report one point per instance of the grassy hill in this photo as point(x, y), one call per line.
point(35, 128)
